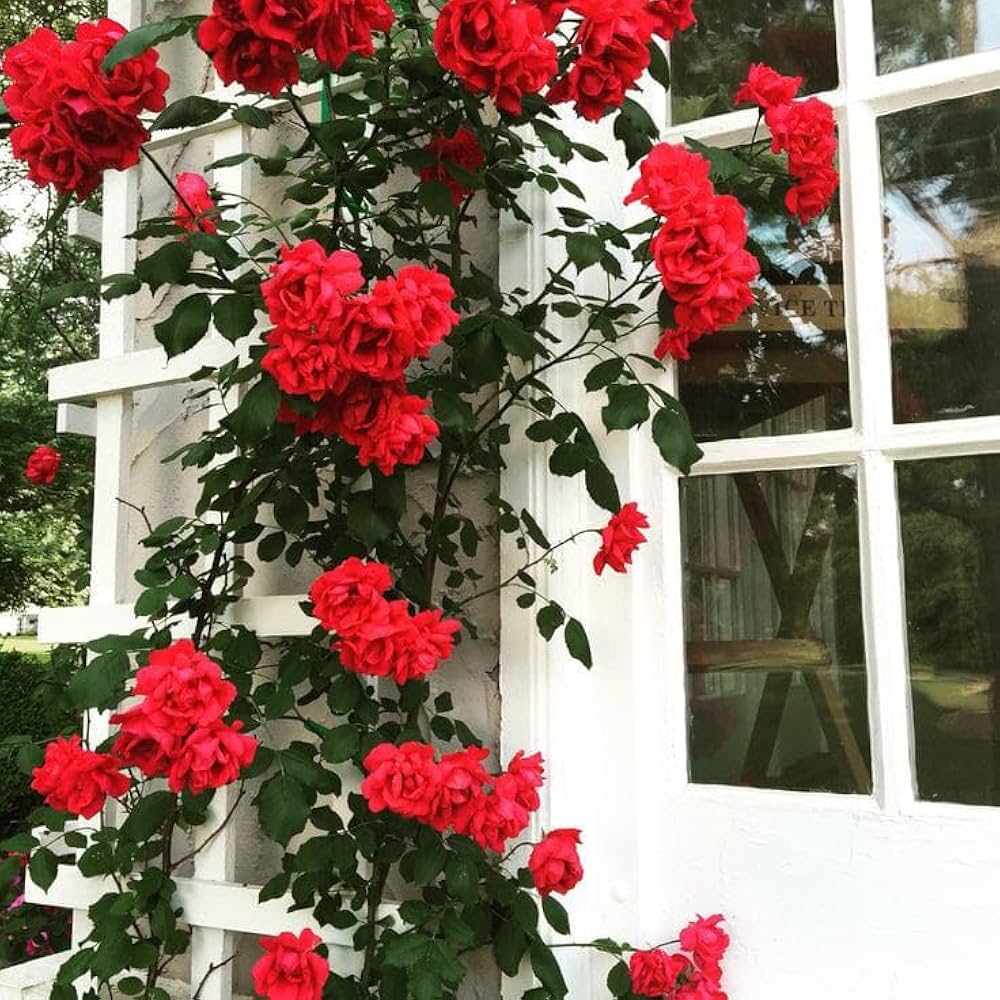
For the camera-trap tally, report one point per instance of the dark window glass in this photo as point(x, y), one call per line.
point(709, 61)
point(950, 517)
point(775, 648)
point(914, 32)
point(782, 368)
point(941, 168)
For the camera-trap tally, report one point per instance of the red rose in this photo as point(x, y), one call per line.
point(77, 121)
point(399, 436)
point(290, 21)
point(431, 639)
point(308, 287)
point(290, 969)
point(555, 864)
point(671, 178)
point(528, 775)
point(426, 296)
point(700, 989)
point(461, 150)
point(144, 744)
point(195, 204)
point(346, 26)
point(806, 130)
point(376, 645)
point(261, 65)
point(707, 942)
point(402, 779)
point(497, 47)
point(552, 12)
point(134, 85)
point(43, 464)
point(75, 780)
point(210, 757)
point(671, 16)
point(304, 365)
point(461, 778)
point(614, 51)
point(767, 87)
point(348, 596)
point(620, 539)
point(655, 973)
point(498, 817)
point(676, 342)
point(183, 688)
point(812, 197)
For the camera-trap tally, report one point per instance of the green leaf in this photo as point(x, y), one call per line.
point(577, 643)
point(602, 375)
point(462, 879)
point(509, 946)
point(555, 914)
point(291, 511)
point(275, 888)
point(534, 531)
point(602, 487)
point(584, 249)
point(451, 410)
point(141, 39)
point(283, 808)
point(189, 112)
point(71, 290)
point(546, 968)
point(628, 406)
point(725, 165)
point(555, 141)
point(665, 306)
point(428, 862)
point(341, 744)
point(549, 619)
point(42, 867)
point(673, 436)
point(255, 416)
point(167, 266)
point(101, 683)
point(234, 316)
point(569, 459)
point(186, 325)
point(367, 522)
point(148, 816)
point(515, 339)
point(659, 67)
point(636, 129)
point(254, 117)
point(435, 196)
point(28, 758)
point(619, 980)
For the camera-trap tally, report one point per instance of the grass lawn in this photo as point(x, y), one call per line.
point(23, 644)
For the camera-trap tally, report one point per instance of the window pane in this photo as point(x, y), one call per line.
point(950, 517)
point(709, 62)
point(941, 169)
point(782, 368)
point(914, 32)
point(775, 648)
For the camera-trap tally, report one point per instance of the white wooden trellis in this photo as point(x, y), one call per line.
point(214, 905)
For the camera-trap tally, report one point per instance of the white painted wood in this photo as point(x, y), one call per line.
point(85, 226)
point(74, 419)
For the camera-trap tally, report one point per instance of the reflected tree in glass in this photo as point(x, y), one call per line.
point(709, 62)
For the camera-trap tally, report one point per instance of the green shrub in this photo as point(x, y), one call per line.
point(32, 705)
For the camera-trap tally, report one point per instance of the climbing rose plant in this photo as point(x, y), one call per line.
point(377, 358)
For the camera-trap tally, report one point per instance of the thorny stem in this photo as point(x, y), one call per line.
point(212, 969)
point(380, 874)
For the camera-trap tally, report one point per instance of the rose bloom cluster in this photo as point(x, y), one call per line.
point(76, 120)
point(376, 636)
point(348, 352)
point(290, 969)
point(696, 975)
point(700, 249)
point(461, 149)
point(620, 538)
point(502, 48)
point(455, 793)
point(256, 42)
point(177, 729)
point(805, 130)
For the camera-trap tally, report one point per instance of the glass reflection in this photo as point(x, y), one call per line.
point(709, 62)
point(782, 368)
point(913, 32)
point(950, 517)
point(941, 169)
point(775, 648)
